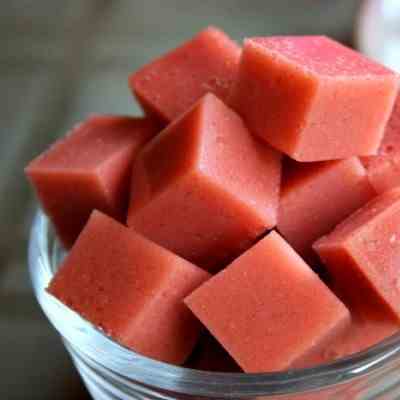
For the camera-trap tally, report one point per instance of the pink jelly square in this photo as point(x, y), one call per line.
point(205, 188)
point(90, 168)
point(362, 254)
point(313, 98)
point(315, 197)
point(384, 168)
point(130, 288)
point(262, 308)
point(171, 84)
point(369, 325)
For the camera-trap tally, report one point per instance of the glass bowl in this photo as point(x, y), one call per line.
point(111, 371)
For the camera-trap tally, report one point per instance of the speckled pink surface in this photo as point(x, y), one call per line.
point(268, 308)
point(369, 325)
point(172, 83)
point(130, 288)
point(384, 169)
point(205, 188)
point(313, 98)
point(89, 169)
point(315, 197)
point(362, 254)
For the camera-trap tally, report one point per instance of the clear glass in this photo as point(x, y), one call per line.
point(111, 371)
point(377, 31)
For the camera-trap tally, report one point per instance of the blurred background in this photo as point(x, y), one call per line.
point(60, 61)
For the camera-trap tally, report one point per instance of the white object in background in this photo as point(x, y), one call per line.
point(377, 31)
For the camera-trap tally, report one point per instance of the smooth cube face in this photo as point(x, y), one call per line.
point(384, 168)
point(257, 306)
point(130, 288)
point(89, 169)
point(369, 325)
point(315, 197)
point(205, 188)
point(171, 84)
point(363, 256)
point(313, 98)
point(361, 335)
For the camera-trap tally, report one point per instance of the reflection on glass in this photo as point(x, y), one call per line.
point(377, 31)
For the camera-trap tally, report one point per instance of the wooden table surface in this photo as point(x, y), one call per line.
point(60, 61)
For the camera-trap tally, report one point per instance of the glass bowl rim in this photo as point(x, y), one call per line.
point(169, 377)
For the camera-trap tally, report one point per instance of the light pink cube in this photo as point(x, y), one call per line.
point(90, 168)
point(315, 197)
point(268, 308)
point(362, 254)
point(384, 168)
point(172, 83)
point(205, 188)
point(313, 98)
point(369, 325)
point(130, 288)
